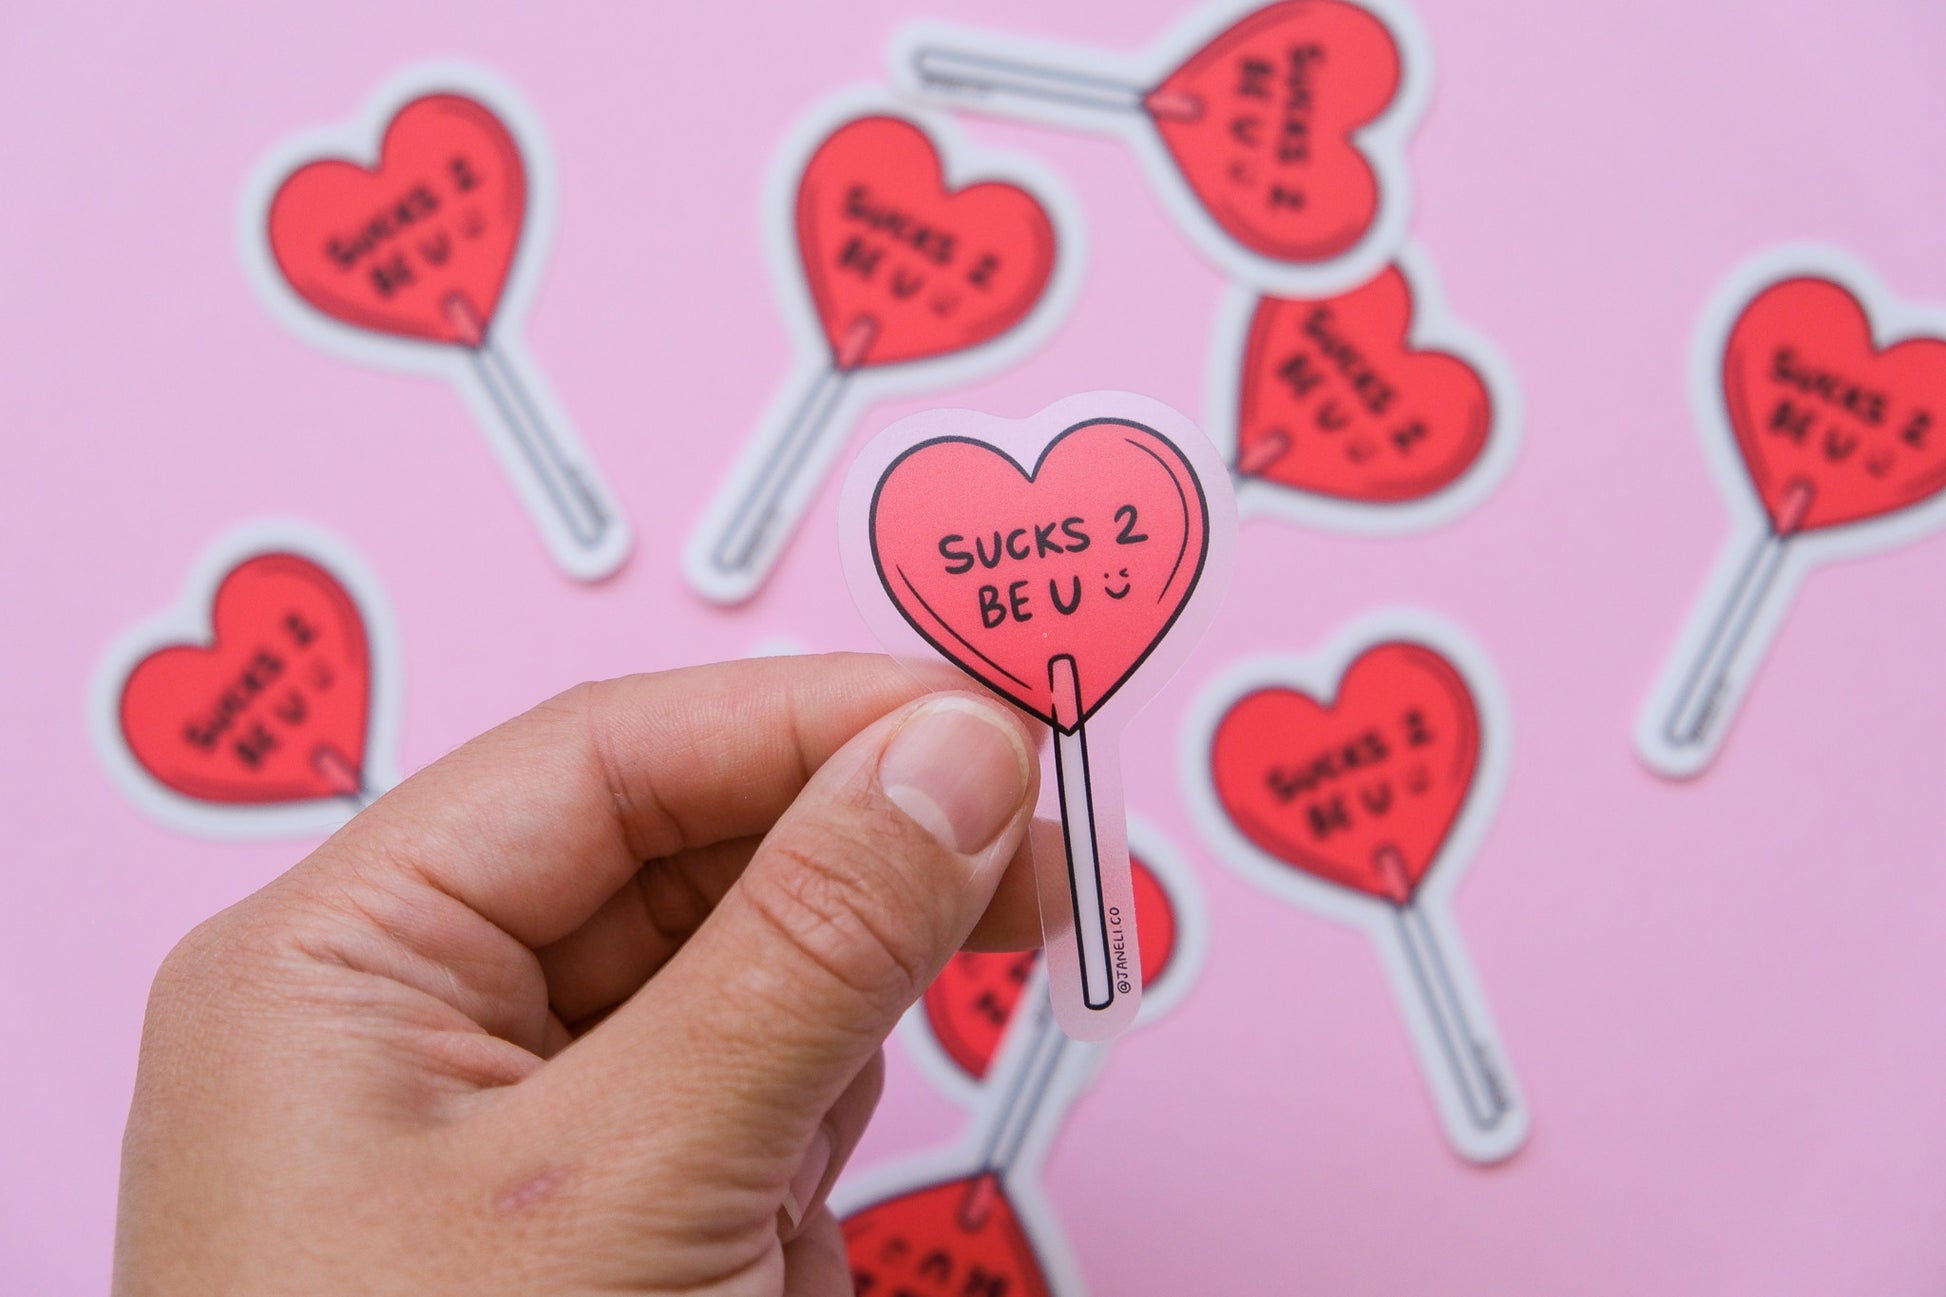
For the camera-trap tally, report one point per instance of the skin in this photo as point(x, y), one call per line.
point(569, 1011)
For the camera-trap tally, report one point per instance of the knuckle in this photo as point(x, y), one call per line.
point(836, 905)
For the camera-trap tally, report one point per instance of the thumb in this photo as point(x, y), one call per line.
point(725, 1063)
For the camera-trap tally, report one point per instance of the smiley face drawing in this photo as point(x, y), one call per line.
point(1108, 585)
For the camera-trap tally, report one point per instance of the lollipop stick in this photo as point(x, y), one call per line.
point(969, 74)
point(1078, 835)
point(756, 512)
point(341, 775)
point(1472, 1068)
point(567, 491)
point(1699, 703)
point(751, 532)
point(1027, 1085)
point(1274, 446)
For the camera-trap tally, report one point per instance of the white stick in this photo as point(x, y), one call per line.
point(1699, 703)
point(561, 480)
point(968, 74)
point(1474, 1072)
point(1078, 835)
point(752, 533)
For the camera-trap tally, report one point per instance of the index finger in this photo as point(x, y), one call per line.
point(537, 822)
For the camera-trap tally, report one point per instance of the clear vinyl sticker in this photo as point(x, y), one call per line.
point(1819, 398)
point(1357, 783)
point(904, 259)
point(1067, 562)
point(413, 239)
point(265, 703)
point(972, 1218)
point(1369, 410)
point(1275, 133)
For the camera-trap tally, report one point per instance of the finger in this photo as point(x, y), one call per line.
point(815, 1264)
point(848, 909)
point(538, 822)
point(831, 1147)
point(1013, 918)
point(606, 960)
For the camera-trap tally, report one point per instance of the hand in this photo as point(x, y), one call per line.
point(474, 1044)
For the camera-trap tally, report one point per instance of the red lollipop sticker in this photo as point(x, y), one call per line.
point(1275, 132)
point(1057, 560)
point(1358, 783)
point(263, 705)
point(413, 239)
point(908, 261)
point(1821, 400)
point(1366, 410)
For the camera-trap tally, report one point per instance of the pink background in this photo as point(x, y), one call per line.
point(1721, 997)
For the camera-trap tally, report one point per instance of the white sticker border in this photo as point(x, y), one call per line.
point(187, 621)
point(356, 138)
point(1433, 328)
point(1382, 140)
point(963, 162)
point(1319, 674)
point(1171, 869)
point(1892, 320)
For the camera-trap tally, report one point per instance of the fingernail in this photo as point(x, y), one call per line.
point(959, 768)
point(800, 1195)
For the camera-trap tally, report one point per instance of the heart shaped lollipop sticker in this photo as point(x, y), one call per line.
point(1052, 559)
point(414, 257)
point(1822, 402)
point(1349, 783)
point(1370, 409)
point(919, 266)
point(254, 708)
point(973, 1216)
point(1276, 133)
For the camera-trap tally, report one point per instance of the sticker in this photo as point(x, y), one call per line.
point(1053, 559)
point(1821, 402)
point(1275, 132)
point(1358, 783)
point(413, 239)
point(908, 260)
point(1368, 410)
point(972, 1219)
point(265, 704)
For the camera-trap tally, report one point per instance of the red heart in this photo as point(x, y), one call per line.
point(970, 1003)
point(420, 246)
point(960, 1238)
point(1832, 429)
point(1261, 120)
point(1088, 558)
point(902, 268)
point(1334, 401)
point(275, 708)
point(1360, 793)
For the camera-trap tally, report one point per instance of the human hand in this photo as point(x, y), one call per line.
point(474, 1043)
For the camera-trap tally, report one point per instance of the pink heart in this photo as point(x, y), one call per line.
point(1089, 557)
